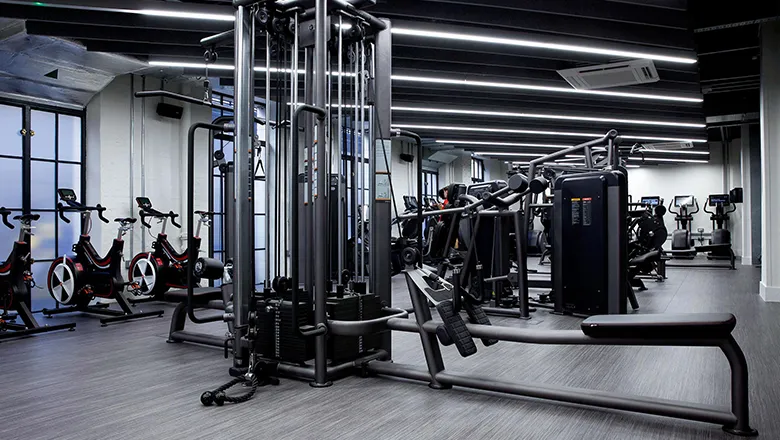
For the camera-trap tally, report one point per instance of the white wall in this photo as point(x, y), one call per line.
point(666, 181)
point(163, 141)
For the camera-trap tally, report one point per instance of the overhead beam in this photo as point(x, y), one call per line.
point(592, 9)
point(536, 22)
point(102, 33)
point(114, 19)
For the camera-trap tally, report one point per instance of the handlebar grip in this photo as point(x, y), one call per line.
point(143, 219)
point(173, 216)
point(100, 211)
point(5, 213)
point(61, 212)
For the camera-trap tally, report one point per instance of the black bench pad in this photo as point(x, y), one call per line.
point(200, 295)
point(660, 326)
point(713, 247)
point(646, 258)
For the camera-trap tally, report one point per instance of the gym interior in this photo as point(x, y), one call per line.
point(389, 219)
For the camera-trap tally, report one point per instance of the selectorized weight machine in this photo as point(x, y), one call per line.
point(304, 308)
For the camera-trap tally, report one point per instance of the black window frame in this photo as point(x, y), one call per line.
point(27, 160)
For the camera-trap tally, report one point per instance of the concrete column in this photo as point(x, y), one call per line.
point(770, 160)
point(746, 223)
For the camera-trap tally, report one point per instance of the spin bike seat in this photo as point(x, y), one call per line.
point(125, 220)
point(33, 217)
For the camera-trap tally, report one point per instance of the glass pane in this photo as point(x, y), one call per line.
point(11, 183)
point(70, 138)
point(40, 296)
point(42, 144)
point(10, 125)
point(218, 194)
point(216, 229)
point(259, 267)
point(42, 185)
point(70, 177)
point(42, 243)
point(259, 231)
point(68, 235)
point(259, 197)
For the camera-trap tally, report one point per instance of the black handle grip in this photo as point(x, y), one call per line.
point(707, 202)
point(61, 212)
point(173, 216)
point(143, 219)
point(695, 202)
point(5, 213)
point(100, 211)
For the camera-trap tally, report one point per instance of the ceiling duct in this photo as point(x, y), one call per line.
point(28, 63)
point(611, 75)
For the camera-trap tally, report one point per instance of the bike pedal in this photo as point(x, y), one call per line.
point(456, 328)
point(477, 315)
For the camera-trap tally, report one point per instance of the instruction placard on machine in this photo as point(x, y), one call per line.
point(576, 204)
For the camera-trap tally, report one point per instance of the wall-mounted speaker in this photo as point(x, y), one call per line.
point(170, 110)
point(406, 157)
point(735, 195)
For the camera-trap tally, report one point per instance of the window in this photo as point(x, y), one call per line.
point(477, 170)
point(41, 150)
point(224, 143)
point(430, 183)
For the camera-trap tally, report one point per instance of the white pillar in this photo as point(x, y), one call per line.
point(746, 221)
point(770, 160)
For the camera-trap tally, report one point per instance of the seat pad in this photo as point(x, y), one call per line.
point(660, 326)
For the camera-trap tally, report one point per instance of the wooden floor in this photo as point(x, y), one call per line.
point(125, 382)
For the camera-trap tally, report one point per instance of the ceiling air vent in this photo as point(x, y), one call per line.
point(667, 146)
point(611, 75)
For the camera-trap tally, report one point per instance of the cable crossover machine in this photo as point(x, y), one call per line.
point(327, 81)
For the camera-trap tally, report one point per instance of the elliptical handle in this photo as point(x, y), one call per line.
point(5, 213)
point(671, 203)
point(706, 203)
point(173, 216)
point(696, 203)
point(61, 212)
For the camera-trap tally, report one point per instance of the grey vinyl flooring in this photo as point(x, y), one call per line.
point(125, 382)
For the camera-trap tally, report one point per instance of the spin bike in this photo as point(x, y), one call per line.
point(76, 281)
point(164, 268)
point(15, 283)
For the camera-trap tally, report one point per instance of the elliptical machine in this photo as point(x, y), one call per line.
point(76, 281)
point(720, 234)
point(15, 283)
point(682, 239)
point(164, 268)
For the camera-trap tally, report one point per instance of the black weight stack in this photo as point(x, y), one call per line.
point(353, 308)
point(277, 336)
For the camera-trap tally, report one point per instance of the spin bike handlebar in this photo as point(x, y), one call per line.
point(5, 213)
point(62, 209)
point(156, 214)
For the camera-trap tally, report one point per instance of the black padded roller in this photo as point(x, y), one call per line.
point(208, 268)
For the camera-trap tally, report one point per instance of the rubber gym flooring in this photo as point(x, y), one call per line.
point(125, 382)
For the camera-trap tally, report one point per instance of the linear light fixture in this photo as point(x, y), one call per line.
point(457, 81)
point(536, 132)
point(539, 44)
point(482, 153)
point(182, 14)
point(662, 159)
point(632, 166)
point(185, 65)
point(517, 86)
point(543, 116)
point(501, 144)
